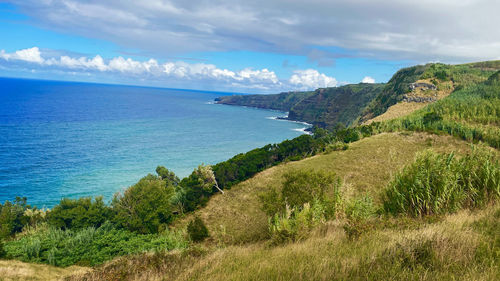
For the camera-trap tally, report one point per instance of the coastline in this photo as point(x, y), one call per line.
point(305, 130)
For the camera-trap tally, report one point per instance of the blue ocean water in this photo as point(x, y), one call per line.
point(65, 139)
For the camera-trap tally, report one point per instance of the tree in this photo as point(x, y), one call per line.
point(79, 213)
point(145, 207)
point(167, 175)
point(206, 178)
point(12, 217)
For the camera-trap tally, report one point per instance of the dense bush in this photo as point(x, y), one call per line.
point(440, 183)
point(479, 177)
point(79, 213)
point(13, 217)
point(301, 187)
point(295, 224)
point(87, 246)
point(197, 230)
point(358, 211)
point(145, 207)
point(306, 199)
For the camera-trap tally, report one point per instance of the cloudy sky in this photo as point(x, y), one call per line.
point(258, 46)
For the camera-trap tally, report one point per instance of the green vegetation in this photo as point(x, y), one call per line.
point(79, 213)
point(355, 104)
point(440, 183)
point(461, 76)
point(324, 107)
point(307, 199)
point(146, 206)
point(471, 114)
point(283, 101)
point(296, 224)
point(197, 230)
point(87, 246)
point(15, 215)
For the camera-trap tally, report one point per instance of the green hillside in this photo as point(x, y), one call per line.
point(324, 107)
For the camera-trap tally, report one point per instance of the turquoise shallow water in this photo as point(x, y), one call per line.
point(63, 139)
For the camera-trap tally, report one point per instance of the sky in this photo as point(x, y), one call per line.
point(258, 46)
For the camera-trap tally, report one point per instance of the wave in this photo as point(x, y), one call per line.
point(303, 130)
point(283, 118)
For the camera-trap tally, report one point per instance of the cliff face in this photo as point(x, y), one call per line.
point(329, 106)
point(324, 107)
point(283, 101)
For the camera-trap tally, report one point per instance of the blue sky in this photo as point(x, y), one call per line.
point(240, 46)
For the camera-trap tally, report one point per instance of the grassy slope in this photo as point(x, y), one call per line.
point(392, 253)
point(365, 167)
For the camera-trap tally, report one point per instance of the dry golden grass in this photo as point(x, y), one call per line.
point(366, 167)
point(403, 108)
point(452, 243)
point(409, 249)
point(16, 270)
point(400, 109)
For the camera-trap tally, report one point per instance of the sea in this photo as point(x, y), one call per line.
point(69, 139)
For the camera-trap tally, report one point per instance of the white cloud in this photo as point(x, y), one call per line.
point(96, 63)
point(368, 79)
point(168, 72)
point(27, 55)
point(311, 79)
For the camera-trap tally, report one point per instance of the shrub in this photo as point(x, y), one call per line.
point(431, 117)
point(300, 187)
point(439, 183)
point(145, 207)
point(295, 224)
point(479, 176)
point(12, 217)
point(427, 186)
point(79, 213)
point(197, 230)
point(3, 253)
point(336, 147)
point(357, 212)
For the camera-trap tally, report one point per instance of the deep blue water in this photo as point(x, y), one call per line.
point(64, 139)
